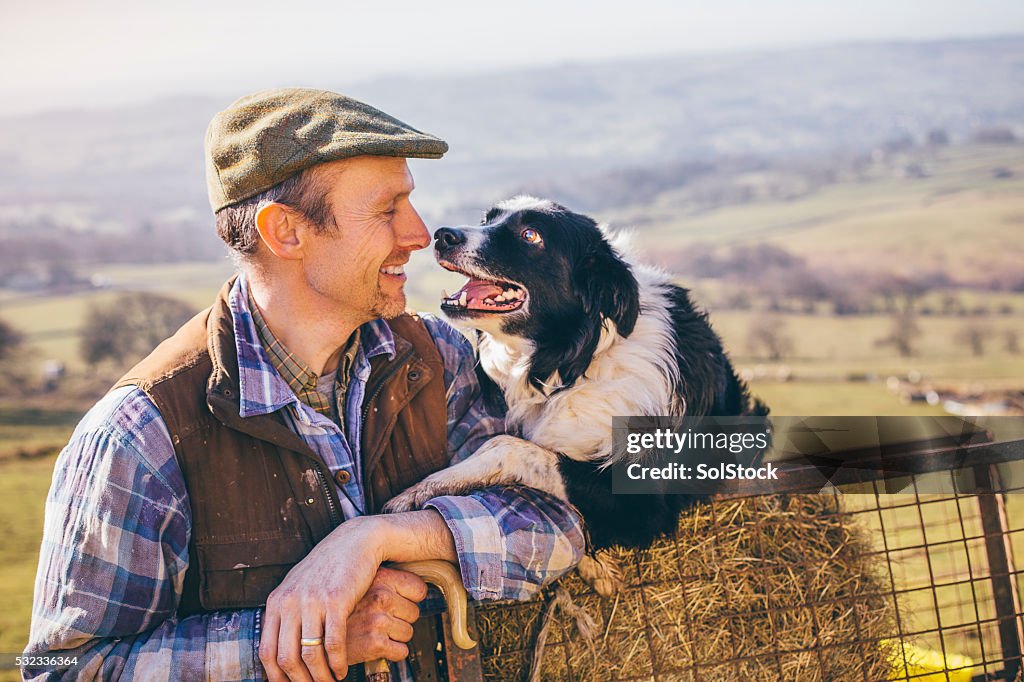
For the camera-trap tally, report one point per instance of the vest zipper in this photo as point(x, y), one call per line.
point(332, 510)
point(396, 365)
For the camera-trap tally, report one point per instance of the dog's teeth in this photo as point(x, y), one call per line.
point(510, 293)
point(500, 298)
point(462, 299)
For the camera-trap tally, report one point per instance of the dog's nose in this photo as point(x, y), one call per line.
point(449, 238)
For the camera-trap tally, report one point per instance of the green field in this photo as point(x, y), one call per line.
point(23, 486)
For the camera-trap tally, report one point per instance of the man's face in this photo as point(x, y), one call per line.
point(359, 267)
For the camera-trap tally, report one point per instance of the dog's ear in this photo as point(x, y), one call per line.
point(568, 348)
point(606, 286)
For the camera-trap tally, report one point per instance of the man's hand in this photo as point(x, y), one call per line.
point(382, 621)
point(379, 627)
point(340, 592)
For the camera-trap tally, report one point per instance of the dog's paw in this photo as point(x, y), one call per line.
point(602, 573)
point(414, 497)
point(402, 502)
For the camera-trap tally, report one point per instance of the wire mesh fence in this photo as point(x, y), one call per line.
point(952, 578)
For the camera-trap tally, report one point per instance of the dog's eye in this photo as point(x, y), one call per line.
point(530, 235)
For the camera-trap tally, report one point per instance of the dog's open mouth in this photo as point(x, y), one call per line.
point(483, 295)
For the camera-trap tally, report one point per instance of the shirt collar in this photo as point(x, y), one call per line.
point(261, 388)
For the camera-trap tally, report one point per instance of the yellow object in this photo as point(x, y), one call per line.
point(926, 665)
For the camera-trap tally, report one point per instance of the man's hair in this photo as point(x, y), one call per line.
point(306, 192)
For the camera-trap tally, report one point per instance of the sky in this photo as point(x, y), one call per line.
point(60, 52)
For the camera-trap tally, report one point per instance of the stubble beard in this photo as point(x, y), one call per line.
point(388, 307)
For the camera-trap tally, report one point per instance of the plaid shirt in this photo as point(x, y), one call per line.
point(115, 540)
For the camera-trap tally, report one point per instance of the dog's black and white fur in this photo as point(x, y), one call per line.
point(573, 334)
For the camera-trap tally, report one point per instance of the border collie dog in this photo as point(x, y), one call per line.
point(569, 335)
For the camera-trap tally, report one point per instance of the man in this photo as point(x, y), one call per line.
point(241, 463)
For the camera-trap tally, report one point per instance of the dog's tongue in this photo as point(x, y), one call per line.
point(477, 290)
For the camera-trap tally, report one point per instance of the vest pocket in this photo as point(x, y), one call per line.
point(243, 573)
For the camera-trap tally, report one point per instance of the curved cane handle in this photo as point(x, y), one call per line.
point(446, 576)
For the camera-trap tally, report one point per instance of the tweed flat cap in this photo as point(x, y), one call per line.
point(267, 137)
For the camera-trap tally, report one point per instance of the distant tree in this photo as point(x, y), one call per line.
point(15, 372)
point(10, 340)
point(894, 288)
point(130, 326)
point(974, 336)
point(903, 333)
point(1012, 342)
point(767, 335)
point(804, 285)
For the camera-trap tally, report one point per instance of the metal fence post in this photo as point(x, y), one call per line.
point(1000, 564)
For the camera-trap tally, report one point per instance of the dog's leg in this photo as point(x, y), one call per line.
point(602, 572)
point(503, 460)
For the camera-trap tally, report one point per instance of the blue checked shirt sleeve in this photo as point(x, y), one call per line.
point(113, 560)
point(511, 540)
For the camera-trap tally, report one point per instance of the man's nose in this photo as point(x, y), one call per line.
point(448, 238)
point(414, 234)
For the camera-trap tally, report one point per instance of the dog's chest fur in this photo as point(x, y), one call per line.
point(636, 375)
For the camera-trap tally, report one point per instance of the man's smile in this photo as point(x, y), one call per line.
point(394, 272)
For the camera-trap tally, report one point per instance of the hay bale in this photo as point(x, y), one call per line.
point(766, 588)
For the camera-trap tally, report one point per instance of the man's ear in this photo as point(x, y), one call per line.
point(280, 231)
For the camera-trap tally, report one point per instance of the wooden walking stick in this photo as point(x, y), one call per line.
point(446, 577)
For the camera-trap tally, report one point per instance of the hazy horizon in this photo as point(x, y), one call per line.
point(71, 55)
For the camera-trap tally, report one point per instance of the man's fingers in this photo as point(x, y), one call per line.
point(394, 651)
point(407, 584)
point(315, 657)
point(375, 644)
point(335, 645)
point(268, 646)
point(397, 629)
point(406, 610)
point(289, 650)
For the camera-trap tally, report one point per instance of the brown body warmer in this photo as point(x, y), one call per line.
point(261, 499)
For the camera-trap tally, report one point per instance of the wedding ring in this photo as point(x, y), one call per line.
point(311, 641)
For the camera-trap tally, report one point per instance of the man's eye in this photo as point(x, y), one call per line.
point(530, 235)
